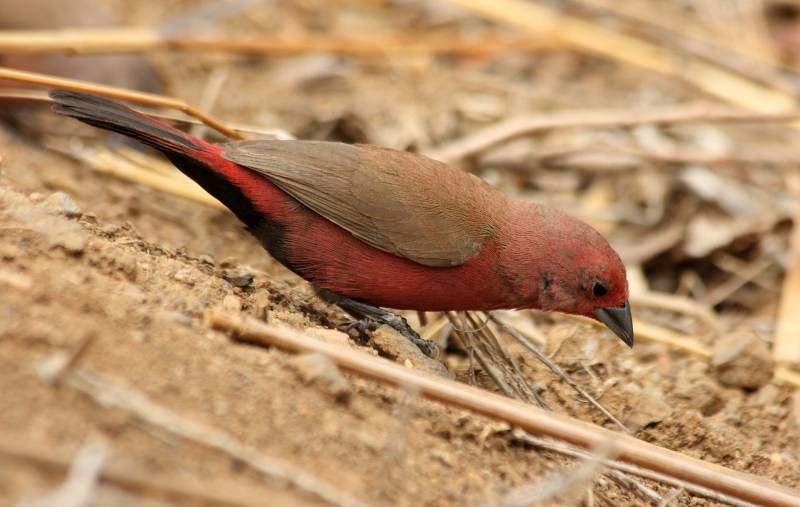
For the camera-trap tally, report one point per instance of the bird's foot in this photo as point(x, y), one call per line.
point(371, 317)
point(400, 324)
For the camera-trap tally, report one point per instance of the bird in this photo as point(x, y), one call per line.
point(372, 227)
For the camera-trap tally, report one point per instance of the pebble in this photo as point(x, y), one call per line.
point(742, 360)
point(238, 277)
point(184, 277)
point(320, 369)
point(109, 229)
point(649, 408)
point(63, 203)
point(73, 242)
point(397, 347)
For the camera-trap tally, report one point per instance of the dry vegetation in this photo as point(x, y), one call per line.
point(670, 126)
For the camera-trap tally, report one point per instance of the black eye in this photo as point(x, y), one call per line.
point(599, 290)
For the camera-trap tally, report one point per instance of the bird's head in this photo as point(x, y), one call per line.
point(576, 271)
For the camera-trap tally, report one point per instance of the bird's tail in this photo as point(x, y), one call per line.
point(111, 115)
point(231, 184)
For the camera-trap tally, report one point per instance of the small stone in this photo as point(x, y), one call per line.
point(184, 277)
point(742, 360)
point(442, 456)
point(109, 229)
point(73, 243)
point(320, 369)
point(228, 262)
point(698, 391)
point(648, 407)
point(128, 264)
point(261, 306)
point(16, 280)
point(10, 251)
point(397, 347)
point(232, 304)
point(238, 277)
point(63, 203)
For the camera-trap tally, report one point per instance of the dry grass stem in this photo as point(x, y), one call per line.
point(679, 304)
point(618, 469)
point(481, 334)
point(555, 368)
point(82, 477)
point(636, 486)
point(110, 392)
point(174, 489)
point(513, 412)
point(512, 128)
point(544, 20)
point(104, 160)
point(667, 25)
point(116, 40)
point(117, 93)
point(261, 132)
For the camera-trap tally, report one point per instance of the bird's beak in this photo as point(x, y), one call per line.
point(618, 319)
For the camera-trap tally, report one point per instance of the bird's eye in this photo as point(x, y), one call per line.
point(599, 290)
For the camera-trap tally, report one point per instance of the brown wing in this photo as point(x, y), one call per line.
point(396, 201)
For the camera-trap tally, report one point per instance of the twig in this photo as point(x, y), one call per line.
point(118, 93)
point(513, 412)
point(630, 483)
point(739, 279)
point(465, 343)
point(115, 40)
point(210, 94)
point(620, 467)
point(78, 487)
point(681, 305)
point(671, 497)
point(103, 160)
point(557, 370)
point(41, 96)
point(786, 347)
point(647, 331)
point(512, 128)
point(530, 392)
point(109, 392)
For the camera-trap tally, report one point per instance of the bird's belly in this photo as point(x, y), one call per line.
point(331, 258)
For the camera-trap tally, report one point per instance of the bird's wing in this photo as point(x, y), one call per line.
point(402, 203)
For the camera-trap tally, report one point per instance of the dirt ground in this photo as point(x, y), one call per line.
point(86, 258)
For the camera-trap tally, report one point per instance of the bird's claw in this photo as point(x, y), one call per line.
point(396, 322)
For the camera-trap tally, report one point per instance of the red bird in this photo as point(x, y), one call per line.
point(372, 226)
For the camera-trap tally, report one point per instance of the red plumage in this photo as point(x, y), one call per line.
point(389, 228)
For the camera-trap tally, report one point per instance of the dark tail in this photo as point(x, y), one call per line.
point(194, 157)
point(111, 115)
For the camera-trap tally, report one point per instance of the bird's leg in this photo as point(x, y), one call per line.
point(372, 316)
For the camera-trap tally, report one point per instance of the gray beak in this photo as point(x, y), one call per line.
point(618, 319)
